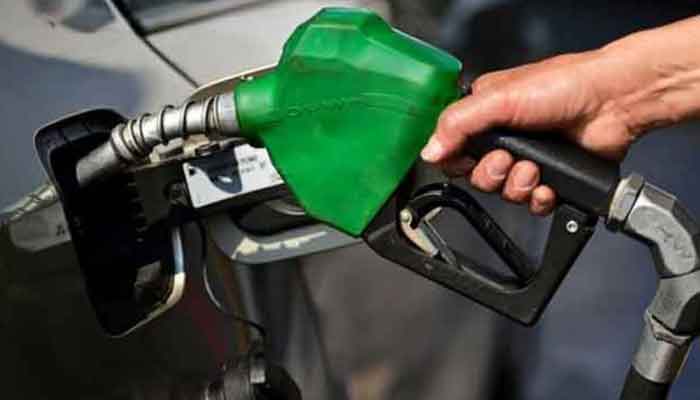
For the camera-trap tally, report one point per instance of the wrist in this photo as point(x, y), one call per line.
point(650, 79)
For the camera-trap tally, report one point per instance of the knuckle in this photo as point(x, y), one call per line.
point(503, 105)
point(449, 120)
point(482, 82)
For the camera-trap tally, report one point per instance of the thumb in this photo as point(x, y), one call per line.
point(465, 118)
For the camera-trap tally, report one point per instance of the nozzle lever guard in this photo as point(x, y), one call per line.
point(522, 299)
point(584, 185)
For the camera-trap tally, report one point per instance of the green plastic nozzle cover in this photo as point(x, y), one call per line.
point(346, 112)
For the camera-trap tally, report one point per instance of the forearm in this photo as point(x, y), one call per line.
point(651, 78)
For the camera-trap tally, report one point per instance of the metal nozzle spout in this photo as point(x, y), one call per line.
point(131, 142)
point(99, 163)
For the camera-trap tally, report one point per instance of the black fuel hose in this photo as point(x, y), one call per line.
point(638, 387)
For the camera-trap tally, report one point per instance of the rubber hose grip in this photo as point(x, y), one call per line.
point(639, 388)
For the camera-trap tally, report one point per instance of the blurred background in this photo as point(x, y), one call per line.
point(345, 323)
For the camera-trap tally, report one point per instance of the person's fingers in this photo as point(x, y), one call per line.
point(491, 171)
point(542, 201)
point(456, 167)
point(522, 180)
point(469, 116)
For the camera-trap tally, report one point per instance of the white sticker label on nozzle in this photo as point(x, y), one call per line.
point(227, 175)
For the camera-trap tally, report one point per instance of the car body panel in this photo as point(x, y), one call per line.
point(238, 41)
point(51, 342)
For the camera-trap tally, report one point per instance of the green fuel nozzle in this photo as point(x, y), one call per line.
point(343, 115)
point(347, 110)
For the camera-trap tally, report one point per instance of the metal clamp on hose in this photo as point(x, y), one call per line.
point(655, 217)
point(131, 142)
point(661, 352)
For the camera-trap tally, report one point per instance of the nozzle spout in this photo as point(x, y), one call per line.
point(99, 163)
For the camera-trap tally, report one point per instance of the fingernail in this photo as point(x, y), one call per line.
point(497, 168)
point(524, 181)
point(433, 151)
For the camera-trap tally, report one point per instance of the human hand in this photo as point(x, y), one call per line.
point(553, 95)
point(602, 100)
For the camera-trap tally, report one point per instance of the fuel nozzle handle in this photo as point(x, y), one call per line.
point(133, 141)
point(579, 177)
